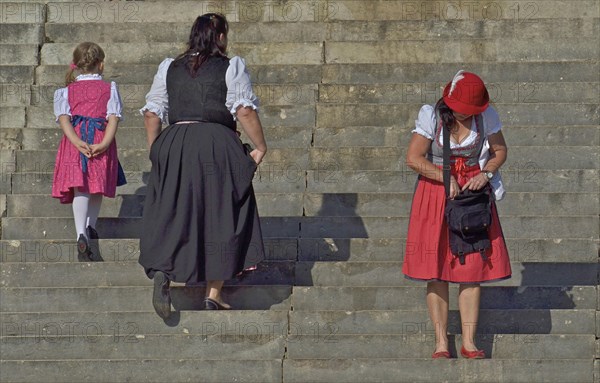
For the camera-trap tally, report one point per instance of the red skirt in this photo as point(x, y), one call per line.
point(428, 256)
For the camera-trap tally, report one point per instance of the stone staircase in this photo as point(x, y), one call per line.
point(340, 83)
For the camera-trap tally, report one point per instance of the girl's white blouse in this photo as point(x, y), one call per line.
point(425, 125)
point(114, 105)
point(239, 89)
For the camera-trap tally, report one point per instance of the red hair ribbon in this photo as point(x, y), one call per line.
point(73, 66)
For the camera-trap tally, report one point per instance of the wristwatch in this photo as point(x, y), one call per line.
point(488, 175)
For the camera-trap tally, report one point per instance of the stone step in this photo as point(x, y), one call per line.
point(147, 370)
point(119, 299)
point(523, 324)
point(143, 346)
point(282, 298)
point(153, 53)
point(330, 345)
point(18, 74)
point(319, 204)
point(518, 72)
point(337, 74)
point(270, 204)
point(21, 33)
point(320, 298)
point(134, 95)
point(301, 137)
point(559, 227)
point(143, 73)
point(290, 178)
point(521, 114)
point(349, 158)
point(118, 274)
point(279, 116)
point(549, 250)
point(19, 54)
point(135, 138)
point(309, 31)
point(431, 92)
point(419, 370)
point(459, 51)
point(21, 12)
point(113, 274)
point(271, 346)
point(12, 117)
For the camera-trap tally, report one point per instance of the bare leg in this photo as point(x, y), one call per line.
point(468, 303)
point(437, 302)
point(213, 291)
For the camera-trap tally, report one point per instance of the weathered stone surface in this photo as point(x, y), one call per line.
point(102, 299)
point(21, 12)
point(465, 51)
point(12, 117)
point(16, 74)
point(161, 370)
point(10, 138)
point(443, 72)
point(525, 323)
point(15, 94)
point(449, 10)
point(271, 53)
point(21, 33)
point(327, 345)
point(140, 73)
point(311, 298)
point(402, 370)
point(528, 178)
point(431, 92)
point(19, 54)
point(113, 250)
point(442, 29)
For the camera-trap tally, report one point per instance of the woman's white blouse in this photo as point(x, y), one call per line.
point(425, 125)
point(114, 105)
point(239, 89)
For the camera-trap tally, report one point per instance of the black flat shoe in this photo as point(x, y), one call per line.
point(94, 245)
point(83, 249)
point(161, 299)
point(211, 304)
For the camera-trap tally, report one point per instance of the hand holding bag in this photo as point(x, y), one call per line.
point(468, 215)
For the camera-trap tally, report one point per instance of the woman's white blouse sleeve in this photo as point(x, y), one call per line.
point(115, 104)
point(491, 121)
point(157, 99)
point(425, 122)
point(239, 87)
point(61, 103)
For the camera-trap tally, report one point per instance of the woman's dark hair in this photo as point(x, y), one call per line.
point(446, 114)
point(205, 42)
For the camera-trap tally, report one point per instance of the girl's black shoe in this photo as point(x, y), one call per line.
point(94, 245)
point(161, 298)
point(83, 249)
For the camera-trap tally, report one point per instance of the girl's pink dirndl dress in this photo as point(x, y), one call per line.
point(428, 256)
point(89, 99)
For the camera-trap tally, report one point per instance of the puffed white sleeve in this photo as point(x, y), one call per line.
point(115, 104)
point(61, 103)
point(425, 122)
point(239, 87)
point(491, 121)
point(157, 99)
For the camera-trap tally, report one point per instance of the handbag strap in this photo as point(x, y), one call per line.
point(445, 154)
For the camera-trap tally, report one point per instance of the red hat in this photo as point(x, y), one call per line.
point(466, 94)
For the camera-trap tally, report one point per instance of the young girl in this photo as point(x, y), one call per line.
point(88, 110)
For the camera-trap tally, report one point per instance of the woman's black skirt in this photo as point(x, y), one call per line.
point(200, 220)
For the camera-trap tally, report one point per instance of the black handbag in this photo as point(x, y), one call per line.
point(468, 215)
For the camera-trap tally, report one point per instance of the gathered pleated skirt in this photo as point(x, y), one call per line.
point(200, 220)
point(428, 256)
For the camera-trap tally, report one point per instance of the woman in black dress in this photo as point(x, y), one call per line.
point(200, 220)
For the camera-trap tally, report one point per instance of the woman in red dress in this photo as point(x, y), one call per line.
point(473, 125)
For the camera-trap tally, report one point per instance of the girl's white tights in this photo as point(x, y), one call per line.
point(86, 208)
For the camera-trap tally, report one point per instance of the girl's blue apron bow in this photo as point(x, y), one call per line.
point(88, 130)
